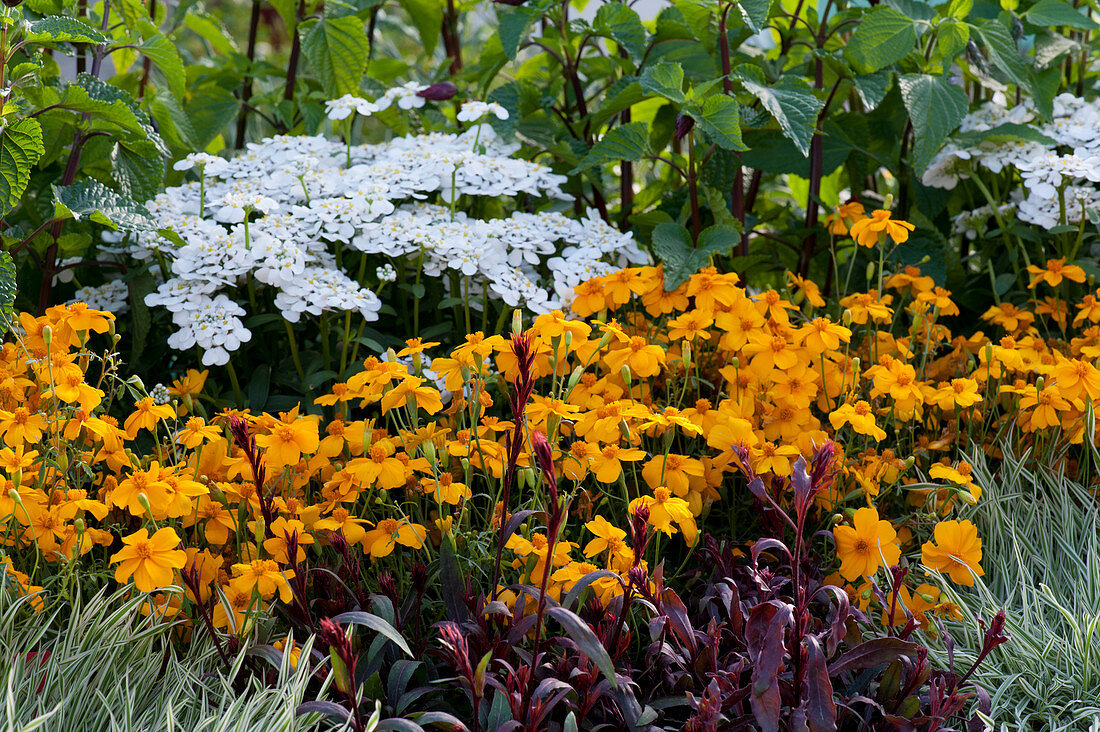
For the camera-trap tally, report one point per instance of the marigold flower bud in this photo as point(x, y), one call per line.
point(870, 270)
point(144, 501)
point(846, 317)
point(47, 334)
point(517, 321)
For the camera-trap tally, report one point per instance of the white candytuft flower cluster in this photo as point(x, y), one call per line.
point(277, 216)
point(1070, 165)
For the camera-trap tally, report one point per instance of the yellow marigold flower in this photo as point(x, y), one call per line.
point(960, 474)
point(821, 334)
point(415, 346)
point(70, 388)
point(644, 358)
point(665, 510)
point(844, 217)
point(1077, 379)
point(22, 426)
point(873, 231)
point(196, 432)
point(379, 466)
point(620, 286)
point(589, 297)
point(940, 299)
point(712, 290)
point(192, 383)
point(17, 459)
point(1045, 404)
point(388, 533)
point(910, 280)
point(808, 288)
point(1009, 317)
point(957, 551)
point(289, 439)
point(860, 417)
point(607, 464)
point(146, 416)
point(413, 388)
point(609, 538)
point(266, 577)
point(1055, 271)
point(239, 596)
point(692, 325)
point(958, 392)
point(281, 529)
point(866, 545)
point(151, 561)
point(768, 457)
point(864, 305)
point(770, 351)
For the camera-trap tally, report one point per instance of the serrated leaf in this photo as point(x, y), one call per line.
point(20, 149)
point(211, 108)
point(625, 142)
point(1002, 52)
point(212, 31)
point(427, 17)
point(872, 88)
point(92, 200)
point(665, 79)
point(1055, 13)
point(720, 118)
point(794, 106)
point(337, 51)
point(883, 37)
point(755, 13)
point(622, 24)
point(139, 168)
point(952, 39)
point(680, 258)
point(936, 107)
point(624, 93)
point(162, 52)
point(512, 26)
point(58, 28)
point(1051, 47)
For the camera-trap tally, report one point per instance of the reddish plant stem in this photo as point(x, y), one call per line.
point(246, 89)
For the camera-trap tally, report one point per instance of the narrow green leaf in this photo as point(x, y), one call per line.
point(883, 37)
point(587, 642)
point(8, 291)
point(376, 624)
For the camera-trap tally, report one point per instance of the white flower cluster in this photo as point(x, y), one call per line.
point(1051, 175)
point(281, 214)
point(112, 296)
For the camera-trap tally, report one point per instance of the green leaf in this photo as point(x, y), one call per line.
point(586, 641)
point(427, 16)
point(1050, 47)
point(673, 247)
point(720, 119)
point(883, 37)
point(20, 149)
point(212, 31)
point(872, 88)
point(376, 624)
point(794, 106)
point(58, 28)
point(625, 142)
point(959, 9)
point(1005, 132)
point(622, 24)
point(259, 387)
point(665, 79)
point(1057, 13)
point(97, 202)
point(624, 93)
point(1002, 52)
point(173, 121)
point(211, 108)
point(337, 50)
point(512, 26)
point(162, 52)
point(138, 169)
point(952, 39)
point(755, 13)
point(936, 107)
point(7, 291)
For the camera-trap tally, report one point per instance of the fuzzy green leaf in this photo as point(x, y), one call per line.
point(665, 79)
point(794, 106)
point(92, 200)
point(720, 118)
point(162, 52)
point(1055, 13)
point(936, 107)
point(337, 50)
point(427, 17)
point(623, 25)
point(20, 149)
point(883, 37)
point(58, 28)
point(625, 142)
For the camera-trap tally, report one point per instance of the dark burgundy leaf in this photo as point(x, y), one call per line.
point(874, 652)
point(820, 708)
point(678, 618)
